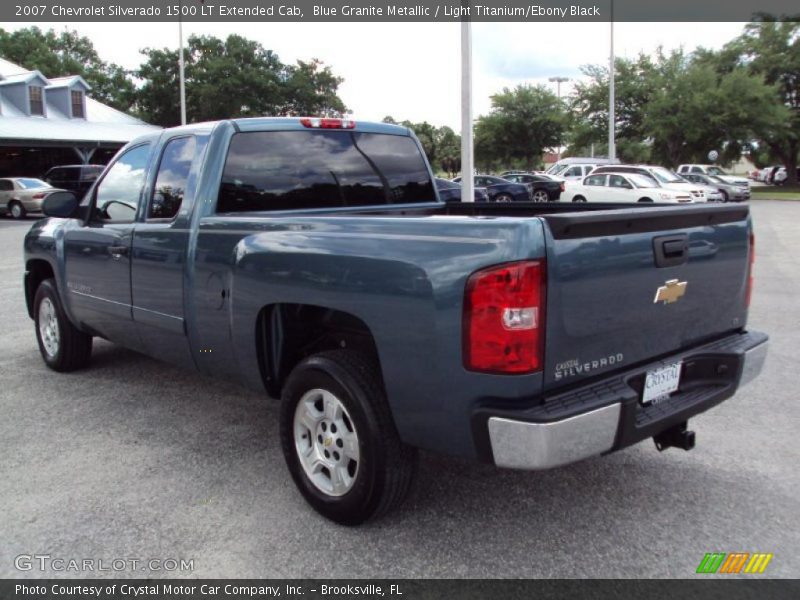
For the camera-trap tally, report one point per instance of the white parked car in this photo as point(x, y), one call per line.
point(665, 178)
point(713, 170)
point(576, 168)
point(623, 187)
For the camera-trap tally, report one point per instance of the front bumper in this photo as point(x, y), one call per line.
point(607, 415)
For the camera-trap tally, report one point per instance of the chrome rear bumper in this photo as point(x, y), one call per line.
point(518, 444)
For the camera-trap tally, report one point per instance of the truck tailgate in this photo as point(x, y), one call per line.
point(628, 286)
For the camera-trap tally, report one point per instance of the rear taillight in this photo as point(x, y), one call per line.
point(326, 123)
point(504, 318)
point(39, 196)
point(563, 187)
point(751, 262)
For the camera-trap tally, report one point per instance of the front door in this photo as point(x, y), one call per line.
point(98, 253)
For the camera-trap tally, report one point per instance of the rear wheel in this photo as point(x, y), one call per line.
point(645, 199)
point(16, 210)
point(503, 198)
point(62, 345)
point(579, 199)
point(541, 196)
point(339, 440)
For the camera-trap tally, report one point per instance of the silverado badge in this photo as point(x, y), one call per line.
point(672, 291)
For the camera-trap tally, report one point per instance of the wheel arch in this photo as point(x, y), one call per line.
point(286, 333)
point(36, 271)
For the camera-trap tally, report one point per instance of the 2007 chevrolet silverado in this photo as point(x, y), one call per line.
point(312, 260)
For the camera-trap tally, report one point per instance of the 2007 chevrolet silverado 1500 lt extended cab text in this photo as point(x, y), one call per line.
point(312, 260)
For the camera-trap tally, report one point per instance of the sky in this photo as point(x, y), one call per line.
point(412, 70)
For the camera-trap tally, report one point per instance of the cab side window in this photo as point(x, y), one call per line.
point(597, 180)
point(574, 172)
point(618, 181)
point(6, 185)
point(173, 173)
point(119, 193)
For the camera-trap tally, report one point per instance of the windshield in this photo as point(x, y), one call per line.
point(641, 181)
point(715, 171)
point(30, 184)
point(557, 168)
point(665, 175)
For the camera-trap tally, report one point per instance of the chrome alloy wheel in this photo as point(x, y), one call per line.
point(326, 442)
point(541, 196)
point(49, 330)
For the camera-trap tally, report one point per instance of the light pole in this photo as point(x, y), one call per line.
point(612, 144)
point(182, 83)
point(558, 81)
point(467, 153)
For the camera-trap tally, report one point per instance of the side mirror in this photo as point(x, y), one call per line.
point(60, 204)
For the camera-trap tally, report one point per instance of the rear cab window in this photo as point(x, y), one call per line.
point(290, 170)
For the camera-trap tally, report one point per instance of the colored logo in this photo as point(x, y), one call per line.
point(672, 291)
point(733, 563)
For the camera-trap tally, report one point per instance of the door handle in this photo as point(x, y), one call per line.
point(118, 251)
point(671, 250)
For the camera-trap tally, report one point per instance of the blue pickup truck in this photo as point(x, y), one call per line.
point(311, 259)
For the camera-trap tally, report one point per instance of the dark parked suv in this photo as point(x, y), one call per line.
point(75, 178)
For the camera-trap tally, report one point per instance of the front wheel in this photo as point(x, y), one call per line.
point(645, 199)
point(579, 199)
point(339, 439)
point(16, 210)
point(62, 345)
point(503, 198)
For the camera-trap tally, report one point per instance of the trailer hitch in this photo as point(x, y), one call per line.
point(675, 437)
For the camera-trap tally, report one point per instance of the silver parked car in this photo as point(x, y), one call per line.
point(21, 195)
point(730, 192)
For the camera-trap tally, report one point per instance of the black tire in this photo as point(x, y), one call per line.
point(503, 197)
point(386, 465)
point(645, 199)
point(578, 199)
point(74, 347)
point(16, 210)
point(725, 197)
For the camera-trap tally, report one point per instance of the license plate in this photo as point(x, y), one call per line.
point(661, 382)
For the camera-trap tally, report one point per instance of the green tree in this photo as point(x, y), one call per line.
point(236, 77)
point(673, 108)
point(522, 123)
point(771, 49)
point(68, 53)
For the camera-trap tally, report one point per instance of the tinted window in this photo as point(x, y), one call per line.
point(6, 185)
point(573, 172)
point(119, 192)
point(284, 170)
point(173, 173)
point(697, 170)
point(91, 173)
point(65, 174)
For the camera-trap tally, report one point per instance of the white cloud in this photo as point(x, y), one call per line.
point(412, 71)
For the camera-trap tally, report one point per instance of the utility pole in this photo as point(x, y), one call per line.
point(612, 144)
point(467, 152)
point(558, 81)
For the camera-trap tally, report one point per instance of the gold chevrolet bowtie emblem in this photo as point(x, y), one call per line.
point(672, 291)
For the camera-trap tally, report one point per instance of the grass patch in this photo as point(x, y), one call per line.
point(776, 192)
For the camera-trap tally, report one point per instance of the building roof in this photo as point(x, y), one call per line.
point(102, 123)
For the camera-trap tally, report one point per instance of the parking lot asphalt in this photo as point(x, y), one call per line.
point(133, 458)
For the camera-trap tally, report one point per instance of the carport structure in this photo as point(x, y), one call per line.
point(49, 122)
